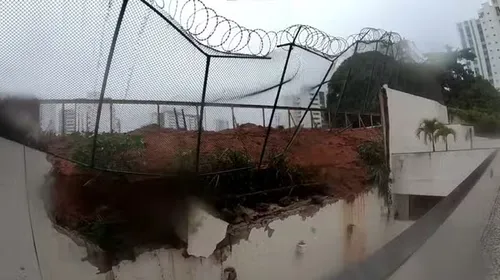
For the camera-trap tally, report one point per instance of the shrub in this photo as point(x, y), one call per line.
point(113, 151)
point(486, 123)
point(372, 154)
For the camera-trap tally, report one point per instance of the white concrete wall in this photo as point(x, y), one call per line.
point(435, 173)
point(52, 255)
point(461, 140)
point(483, 142)
point(263, 256)
point(454, 251)
point(30, 247)
point(406, 111)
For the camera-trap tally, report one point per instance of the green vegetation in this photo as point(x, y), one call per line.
point(372, 154)
point(485, 123)
point(234, 195)
point(429, 128)
point(114, 151)
point(361, 76)
point(443, 77)
point(444, 132)
point(432, 129)
point(229, 178)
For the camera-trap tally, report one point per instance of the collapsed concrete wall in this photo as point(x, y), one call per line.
point(295, 247)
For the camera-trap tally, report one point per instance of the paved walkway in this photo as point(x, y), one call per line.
point(467, 245)
point(490, 242)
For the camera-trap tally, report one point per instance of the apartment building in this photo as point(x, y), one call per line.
point(303, 100)
point(482, 35)
point(68, 121)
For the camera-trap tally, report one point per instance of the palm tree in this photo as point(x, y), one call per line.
point(444, 132)
point(429, 127)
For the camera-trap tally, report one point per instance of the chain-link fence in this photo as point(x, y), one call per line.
point(152, 87)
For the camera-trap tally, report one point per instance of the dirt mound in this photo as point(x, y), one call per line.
point(119, 211)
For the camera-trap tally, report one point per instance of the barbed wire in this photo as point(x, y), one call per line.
point(222, 34)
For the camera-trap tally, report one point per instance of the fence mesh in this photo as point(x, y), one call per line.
point(151, 87)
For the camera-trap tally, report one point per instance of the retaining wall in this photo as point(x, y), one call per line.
point(32, 248)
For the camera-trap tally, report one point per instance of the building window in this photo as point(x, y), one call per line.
point(481, 15)
point(498, 11)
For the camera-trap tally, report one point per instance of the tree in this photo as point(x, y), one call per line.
point(356, 82)
point(429, 127)
point(444, 132)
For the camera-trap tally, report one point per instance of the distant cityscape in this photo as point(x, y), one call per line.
point(70, 118)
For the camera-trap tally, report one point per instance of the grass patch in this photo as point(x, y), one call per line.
point(114, 151)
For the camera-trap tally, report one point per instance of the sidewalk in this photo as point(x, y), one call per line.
point(455, 249)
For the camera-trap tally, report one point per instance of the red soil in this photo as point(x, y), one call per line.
point(333, 155)
point(134, 202)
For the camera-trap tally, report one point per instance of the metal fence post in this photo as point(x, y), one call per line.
point(233, 117)
point(370, 81)
point(184, 119)
point(312, 118)
point(76, 119)
point(344, 85)
point(263, 117)
point(197, 116)
point(311, 102)
point(384, 66)
point(110, 116)
point(158, 114)
point(63, 121)
point(176, 119)
point(202, 108)
point(105, 78)
point(278, 95)
point(289, 119)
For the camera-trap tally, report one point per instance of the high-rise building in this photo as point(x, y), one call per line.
point(68, 121)
point(482, 35)
point(175, 117)
point(303, 100)
point(109, 120)
point(221, 124)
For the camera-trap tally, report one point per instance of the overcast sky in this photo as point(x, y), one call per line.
point(58, 49)
point(430, 23)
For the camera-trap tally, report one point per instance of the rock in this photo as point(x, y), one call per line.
point(317, 199)
point(262, 207)
point(285, 201)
